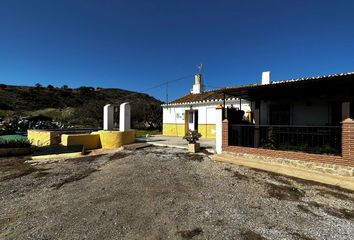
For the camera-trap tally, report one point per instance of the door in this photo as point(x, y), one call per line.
point(191, 120)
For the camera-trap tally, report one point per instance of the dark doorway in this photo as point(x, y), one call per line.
point(336, 113)
point(196, 120)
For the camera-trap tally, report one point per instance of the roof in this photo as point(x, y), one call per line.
point(330, 76)
point(249, 91)
point(207, 96)
point(314, 78)
point(318, 84)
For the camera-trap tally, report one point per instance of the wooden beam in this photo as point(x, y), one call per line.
point(345, 110)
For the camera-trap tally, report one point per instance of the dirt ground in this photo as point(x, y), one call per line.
point(165, 193)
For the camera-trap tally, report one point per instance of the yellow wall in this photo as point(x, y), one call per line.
point(173, 129)
point(178, 130)
point(90, 141)
point(207, 130)
point(116, 139)
point(106, 139)
point(43, 137)
point(60, 155)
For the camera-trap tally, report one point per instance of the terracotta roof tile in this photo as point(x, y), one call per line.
point(202, 97)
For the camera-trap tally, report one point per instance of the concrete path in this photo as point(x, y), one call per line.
point(177, 142)
point(336, 180)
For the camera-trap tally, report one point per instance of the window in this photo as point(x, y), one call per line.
point(279, 114)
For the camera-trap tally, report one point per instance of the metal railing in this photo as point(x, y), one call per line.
point(311, 139)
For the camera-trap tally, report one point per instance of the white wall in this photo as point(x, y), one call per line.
point(206, 112)
point(312, 112)
point(174, 114)
point(315, 114)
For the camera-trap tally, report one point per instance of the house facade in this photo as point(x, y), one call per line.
point(309, 120)
point(197, 111)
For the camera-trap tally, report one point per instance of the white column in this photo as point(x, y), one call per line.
point(124, 117)
point(108, 117)
point(218, 120)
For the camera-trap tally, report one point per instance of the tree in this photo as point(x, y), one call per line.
point(38, 85)
point(153, 116)
point(90, 114)
point(3, 86)
point(65, 87)
point(86, 90)
point(50, 87)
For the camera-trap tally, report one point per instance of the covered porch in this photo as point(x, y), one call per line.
point(302, 115)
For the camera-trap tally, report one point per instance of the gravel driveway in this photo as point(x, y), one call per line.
point(165, 193)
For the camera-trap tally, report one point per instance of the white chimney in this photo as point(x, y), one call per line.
point(198, 86)
point(266, 78)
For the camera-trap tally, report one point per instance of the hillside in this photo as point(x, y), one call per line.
point(81, 107)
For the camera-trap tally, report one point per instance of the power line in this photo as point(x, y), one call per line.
point(166, 82)
point(156, 86)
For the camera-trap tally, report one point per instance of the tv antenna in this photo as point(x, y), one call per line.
point(200, 68)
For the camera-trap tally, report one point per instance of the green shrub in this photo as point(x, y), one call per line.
point(14, 143)
point(144, 132)
point(269, 142)
point(192, 136)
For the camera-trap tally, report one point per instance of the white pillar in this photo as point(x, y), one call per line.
point(124, 117)
point(218, 144)
point(108, 117)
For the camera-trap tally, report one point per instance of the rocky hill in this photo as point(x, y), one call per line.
point(81, 107)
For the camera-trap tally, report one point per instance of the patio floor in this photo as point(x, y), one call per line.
point(178, 142)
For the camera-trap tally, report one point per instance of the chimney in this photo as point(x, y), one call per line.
point(198, 86)
point(266, 78)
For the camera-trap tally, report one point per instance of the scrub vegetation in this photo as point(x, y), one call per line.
point(80, 107)
point(19, 143)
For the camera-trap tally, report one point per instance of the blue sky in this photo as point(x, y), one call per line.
point(136, 44)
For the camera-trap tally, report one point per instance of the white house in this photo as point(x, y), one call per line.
point(197, 111)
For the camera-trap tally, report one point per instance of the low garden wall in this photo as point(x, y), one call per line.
point(43, 137)
point(89, 141)
point(116, 139)
point(5, 152)
point(343, 165)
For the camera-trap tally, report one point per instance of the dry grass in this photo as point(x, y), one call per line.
point(74, 178)
point(251, 235)
point(189, 234)
point(15, 167)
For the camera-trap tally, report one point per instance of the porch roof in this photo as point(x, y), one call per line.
point(331, 87)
